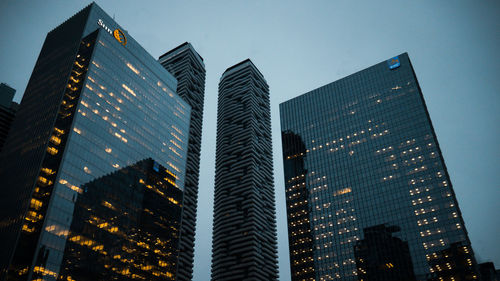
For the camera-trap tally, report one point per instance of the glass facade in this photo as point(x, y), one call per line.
point(125, 226)
point(26, 145)
point(358, 153)
point(117, 108)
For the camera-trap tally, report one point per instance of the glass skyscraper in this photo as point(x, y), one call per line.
point(188, 68)
point(368, 193)
point(244, 229)
point(100, 132)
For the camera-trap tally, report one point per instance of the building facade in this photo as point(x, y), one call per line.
point(97, 103)
point(358, 153)
point(244, 228)
point(381, 256)
point(130, 231)
point(8, 110)
point(187, 66)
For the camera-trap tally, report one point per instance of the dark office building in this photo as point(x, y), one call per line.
point(382, 257)
point(488, 272)
point(244, 228)
point(96, 103)
point(299, 225)
point(125, 226)
point(358, 153)
point(188, 68)
point(8, 110)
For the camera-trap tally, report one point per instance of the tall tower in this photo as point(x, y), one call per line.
point(361, 160)
point(244, 228)
point(188, 68)
point(99, 114)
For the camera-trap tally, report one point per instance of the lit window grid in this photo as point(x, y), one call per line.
point(320, 158)
point(109, 217)
point(160, 109)
point(134, 130)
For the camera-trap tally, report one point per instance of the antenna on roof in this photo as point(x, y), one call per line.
point(113, 16)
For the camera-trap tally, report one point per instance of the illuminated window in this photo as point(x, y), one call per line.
point(48, 171)
point(52, 150)
point(59, 131)
point(132, 68)
point(55, 140)
point(129, 90)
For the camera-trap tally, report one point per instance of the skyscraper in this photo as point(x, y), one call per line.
point(96, 107)
point(244, 228)
point(8, 110)
point(358, 154)
point(188, 68)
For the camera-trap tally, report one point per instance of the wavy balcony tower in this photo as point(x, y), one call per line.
point(244, 228)
point(188, 68)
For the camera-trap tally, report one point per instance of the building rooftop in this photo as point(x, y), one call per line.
point(6, 95)
point(185, 45)
point(239, 66)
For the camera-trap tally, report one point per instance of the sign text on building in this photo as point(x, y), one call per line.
point(117, 33)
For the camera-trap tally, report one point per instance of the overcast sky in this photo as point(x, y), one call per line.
point(301, 45)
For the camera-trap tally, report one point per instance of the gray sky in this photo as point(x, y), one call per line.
point(299, 46)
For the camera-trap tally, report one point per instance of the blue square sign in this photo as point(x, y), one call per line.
point(393, 62)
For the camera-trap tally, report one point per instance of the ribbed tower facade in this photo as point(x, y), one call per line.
point(188, 68)
point(244, 228)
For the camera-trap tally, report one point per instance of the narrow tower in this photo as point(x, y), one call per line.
point(244, 229)
point(188, 68)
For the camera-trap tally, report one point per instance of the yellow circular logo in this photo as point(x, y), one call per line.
point(120, 36)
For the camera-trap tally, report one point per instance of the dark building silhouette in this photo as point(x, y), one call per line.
point(300, 238)
point(244, 228)
point(125, 226)
point(488, 272)
point(188, 68)
point(382, 257)
point(96, 102)
point(8, 110)
point(368, 155)
point(6, 95)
